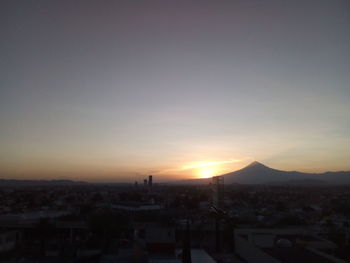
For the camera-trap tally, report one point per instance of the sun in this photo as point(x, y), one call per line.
point(206, 169)
point(206, 172)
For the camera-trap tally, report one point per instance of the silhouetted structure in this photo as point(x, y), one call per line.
point(217, 191)
point(217, 205)
point(145, 182)
point(150, 179)
point(186, 251)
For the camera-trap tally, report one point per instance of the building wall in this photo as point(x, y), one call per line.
point(250, 253)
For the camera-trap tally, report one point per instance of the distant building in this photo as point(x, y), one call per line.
point(150, 181)
point(29, 219)
point(135, 206)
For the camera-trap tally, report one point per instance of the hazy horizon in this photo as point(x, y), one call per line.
point(139, 177)
point(115, 91)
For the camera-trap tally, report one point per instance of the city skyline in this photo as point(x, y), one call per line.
point(115, 91)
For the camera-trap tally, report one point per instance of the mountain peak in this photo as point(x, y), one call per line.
point(258, 173)
point(255, 164)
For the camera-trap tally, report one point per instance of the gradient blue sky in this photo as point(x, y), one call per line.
point(115, 90)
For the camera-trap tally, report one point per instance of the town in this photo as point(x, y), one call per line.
point(154, 222)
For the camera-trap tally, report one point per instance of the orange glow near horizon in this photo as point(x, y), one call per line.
point(209, 163)
point(206, 172)
point(207, 169)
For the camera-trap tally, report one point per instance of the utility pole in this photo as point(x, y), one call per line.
point(186, 251)
point(217, 207)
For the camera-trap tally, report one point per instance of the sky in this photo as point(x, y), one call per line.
point(117, 90)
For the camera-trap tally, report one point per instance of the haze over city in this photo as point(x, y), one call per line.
point(118, 90)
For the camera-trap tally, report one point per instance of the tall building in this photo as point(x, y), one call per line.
point(150, 180)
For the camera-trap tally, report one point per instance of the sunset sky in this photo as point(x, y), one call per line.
point(116, 90)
